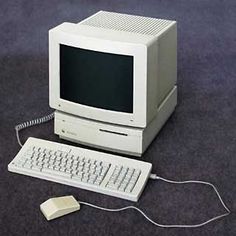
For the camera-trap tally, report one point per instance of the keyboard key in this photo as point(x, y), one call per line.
point(55, 172)
point(77, 178)
point(57, 163)
point(91, 181)
point(122, 188)
point(86, 175)
point(92, 176)
point(80, 174)
point(85, 180)
point(74, 172)
point(62, 169)
point(38, 168)
point(42, 164)
point(27, 166)
point(20, 162)
point(64, 155)
point(111, 186)
point(57, 168)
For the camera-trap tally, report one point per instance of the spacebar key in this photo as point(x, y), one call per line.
point(56, 172)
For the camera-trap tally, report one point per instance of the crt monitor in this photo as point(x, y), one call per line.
point(114, 75)
point(108, 75)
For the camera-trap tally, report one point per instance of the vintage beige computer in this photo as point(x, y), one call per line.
point(113, 80)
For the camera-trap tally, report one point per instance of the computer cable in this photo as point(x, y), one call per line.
point(30, 123)
point(155, 177)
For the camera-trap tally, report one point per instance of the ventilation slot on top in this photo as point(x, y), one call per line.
point(128, 23)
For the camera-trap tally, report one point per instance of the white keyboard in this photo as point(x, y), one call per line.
point(95, 171)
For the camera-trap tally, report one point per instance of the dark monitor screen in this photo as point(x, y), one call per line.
point(96, 79)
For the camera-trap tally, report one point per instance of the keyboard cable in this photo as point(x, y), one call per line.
point(155, 177)
point(30, 123)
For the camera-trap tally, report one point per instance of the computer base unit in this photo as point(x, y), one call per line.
point(116, 138)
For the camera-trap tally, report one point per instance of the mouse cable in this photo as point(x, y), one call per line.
point(30, 123)
point(154, 176)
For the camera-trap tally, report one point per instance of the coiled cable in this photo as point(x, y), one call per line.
point(30, 123)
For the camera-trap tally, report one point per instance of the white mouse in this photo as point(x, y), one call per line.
point(59, 206)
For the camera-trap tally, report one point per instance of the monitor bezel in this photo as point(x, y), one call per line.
point(70, 37)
